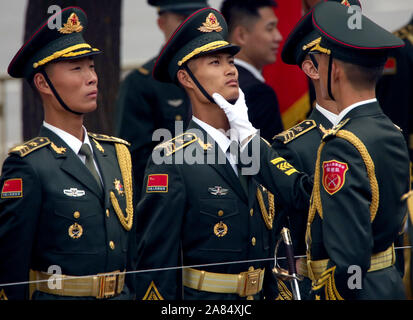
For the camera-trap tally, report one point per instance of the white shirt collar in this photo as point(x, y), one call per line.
point(343, 113)
point(332, 117)
point(74, 143)
point(255, 72)
point(219, 137)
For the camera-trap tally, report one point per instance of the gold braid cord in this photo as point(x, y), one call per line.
point(268, 217)
point(284, 293)
point(316, 205)
point(327, 281)
point(125, 164)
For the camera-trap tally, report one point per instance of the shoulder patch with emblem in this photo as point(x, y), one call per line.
point(334, 175)
point(333, 131)
point(104, 137)
point(180, 142)
point(157, 183)
point(29, 146)
point(12, 188)
point(296, 131)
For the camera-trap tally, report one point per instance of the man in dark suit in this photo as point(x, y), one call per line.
point(144, 104)
point(66, 206)
point(252, 25)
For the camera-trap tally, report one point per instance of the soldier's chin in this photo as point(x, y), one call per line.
point(233, 98)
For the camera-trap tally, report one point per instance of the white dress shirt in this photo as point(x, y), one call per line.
point(74, 143)
point(221, 139)
point(332, 117)
point(343, 113)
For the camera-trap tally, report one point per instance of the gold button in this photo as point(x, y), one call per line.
point(251, 212)
point(107, 213)
point(220, 213)
point(76, 214)
point(253, 241)
point(178, 117)
point(112, 245)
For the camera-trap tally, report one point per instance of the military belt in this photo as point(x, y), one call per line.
point(379, 261)
point(100, 286)
point(244, 284)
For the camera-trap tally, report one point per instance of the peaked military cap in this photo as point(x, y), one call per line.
point(203, 32)
point(366, 44)
point(49, 44)
point(303, 37)
point(184, 7)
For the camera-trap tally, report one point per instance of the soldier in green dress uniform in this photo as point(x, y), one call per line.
point(299, 144)
point(197, 211)
point(145, 104)
point(362, 167)
point(66, 206)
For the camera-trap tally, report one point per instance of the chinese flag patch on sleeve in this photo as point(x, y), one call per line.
point(12, 188)
point(157, 183)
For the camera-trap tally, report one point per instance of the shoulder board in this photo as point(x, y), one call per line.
point(30, 146)
point(180, 142)
point(144, 71)
point(333, 131)
point(296, 131)
point(104, 137)
point(405, 33)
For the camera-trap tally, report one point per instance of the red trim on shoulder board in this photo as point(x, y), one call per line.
point(157, 183)
point(12, 188)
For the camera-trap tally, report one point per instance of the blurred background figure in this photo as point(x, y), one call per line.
point(144, 104)
point(252, 25)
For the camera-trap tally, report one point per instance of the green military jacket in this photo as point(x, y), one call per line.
point(299, 146)
point(143, 106)
point(198, 214)
point(52, 212)
point(356, 214)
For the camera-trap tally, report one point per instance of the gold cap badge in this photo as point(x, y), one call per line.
point(211, 24)
point(72, 25)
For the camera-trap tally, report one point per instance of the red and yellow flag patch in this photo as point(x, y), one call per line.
point(12, 188)
point(334, 175)
point(157, 183)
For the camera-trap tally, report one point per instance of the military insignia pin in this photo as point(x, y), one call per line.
point(220, 229)
point(211, 24)
point(72, 25)
point(75, 231)
point(218, 191)
point(119, 187)
point(74, 192)
point(334, 174)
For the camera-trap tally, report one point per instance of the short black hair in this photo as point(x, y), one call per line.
point(363, 77)
point(239, 12)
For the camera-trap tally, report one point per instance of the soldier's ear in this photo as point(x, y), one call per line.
point(40, 83)
point(184, 79)
point(310, 70)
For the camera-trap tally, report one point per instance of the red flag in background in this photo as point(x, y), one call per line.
point(289, 82)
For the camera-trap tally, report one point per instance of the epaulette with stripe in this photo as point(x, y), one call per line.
point(296, 131)
point(333, 131)
point(104, 137)
point(405, 33)
point(180, 142)
point(30, 146)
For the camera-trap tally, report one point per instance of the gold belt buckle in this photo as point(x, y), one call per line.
point(251, 282)
point(107, 285)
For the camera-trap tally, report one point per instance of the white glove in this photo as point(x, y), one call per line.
point(237, 115)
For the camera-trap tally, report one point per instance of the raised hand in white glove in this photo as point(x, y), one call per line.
point(237, 115)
